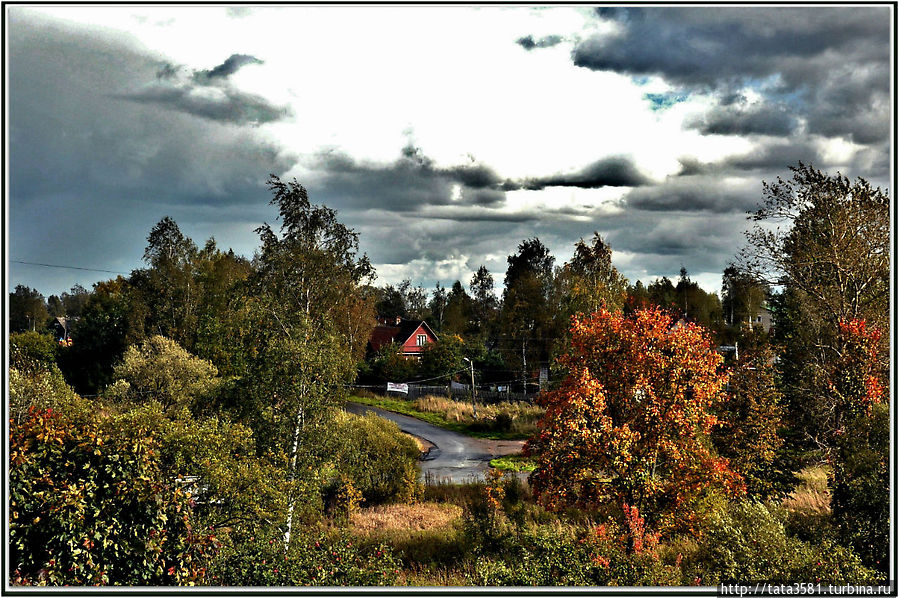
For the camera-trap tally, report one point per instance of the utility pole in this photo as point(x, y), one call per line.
point(474, 404)
point(524, 368)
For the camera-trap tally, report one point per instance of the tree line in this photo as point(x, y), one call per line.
point(257, 354)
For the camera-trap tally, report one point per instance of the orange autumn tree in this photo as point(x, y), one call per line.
point(629, 426)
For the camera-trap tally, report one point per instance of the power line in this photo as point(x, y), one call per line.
point(67, 267)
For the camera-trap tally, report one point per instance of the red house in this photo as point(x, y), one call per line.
point(411, 335)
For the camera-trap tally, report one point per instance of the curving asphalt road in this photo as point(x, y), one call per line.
point(455, 457)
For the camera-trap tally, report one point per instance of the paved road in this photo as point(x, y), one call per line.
point(455, 457)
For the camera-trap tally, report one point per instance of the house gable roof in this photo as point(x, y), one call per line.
point(407, 329)
point(384, 335)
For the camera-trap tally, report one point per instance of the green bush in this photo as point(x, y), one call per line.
point(41, 388)
point(379, 460)
point(513, 549)
point(261, 560)
point(32, 349)
point(748, 540)
point(90, 506)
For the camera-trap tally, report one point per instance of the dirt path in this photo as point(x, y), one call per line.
point(454, 457)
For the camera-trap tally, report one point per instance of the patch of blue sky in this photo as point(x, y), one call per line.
point(661, 101)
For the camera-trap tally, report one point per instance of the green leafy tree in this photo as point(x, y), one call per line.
point(68, 304)
point(741, 296)
point(662, 293)
point(297, 361)
point(860, 487)
point(389, 365)
point(437, 308)
point(443, 357)
point(825, 240)
point(167, 286)
point(484, 302)
point(589, 280)
point(74, 300)
point(27, 310)
point(113, 319)
point(527, 319)
point(28, 350)
point(697, 305)
point(458, 314)
point(751, 420)
point(160, 369)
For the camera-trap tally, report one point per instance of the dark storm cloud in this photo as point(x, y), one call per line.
point(413, 182)
point(208, 93)
point(615, 171)
point(827, 65)
point(229, 67)
point(715, 46)
point(90, 173)
point(230, 106)
point(410, 184)
point(529, 43)
point(777, 155)
point(693, 194)
point(761, 119)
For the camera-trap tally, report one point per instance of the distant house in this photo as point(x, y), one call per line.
point(763, 317)
point(411, 335)
point(61, 327)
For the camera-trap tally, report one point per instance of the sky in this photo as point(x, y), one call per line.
point(444, 135)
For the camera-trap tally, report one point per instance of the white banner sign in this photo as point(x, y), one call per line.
point(403, 388)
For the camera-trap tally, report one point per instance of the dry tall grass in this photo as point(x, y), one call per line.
point(417, 517)
point(812, 495)
point(520, 417)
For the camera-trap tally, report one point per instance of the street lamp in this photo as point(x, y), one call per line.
point(474, 405)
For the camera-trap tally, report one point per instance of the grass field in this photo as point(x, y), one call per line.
point(501, 421)
point(517, 462)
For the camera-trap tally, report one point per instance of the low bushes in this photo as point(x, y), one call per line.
point(319, 560)
point(513, 547)
point(89, 505)
point(372, 455)
point(749, 541)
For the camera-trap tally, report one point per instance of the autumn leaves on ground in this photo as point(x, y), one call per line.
point(193, 432)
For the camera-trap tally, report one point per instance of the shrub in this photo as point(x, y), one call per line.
point(748, 541)
point(552, 555)
point(511, 549)
point(261, 560)
point(89, 506)
point(159, 368)
point(32, 349)
point(41, 388)
point(376, 457)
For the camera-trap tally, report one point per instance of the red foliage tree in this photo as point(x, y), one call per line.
point(855, 379)
point(630, 423)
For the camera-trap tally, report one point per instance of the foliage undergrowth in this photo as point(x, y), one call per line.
point(516, 463)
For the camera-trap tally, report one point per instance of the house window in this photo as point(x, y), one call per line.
point(422, 340)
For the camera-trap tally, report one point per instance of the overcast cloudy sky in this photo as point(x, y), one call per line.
point(444, 135)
